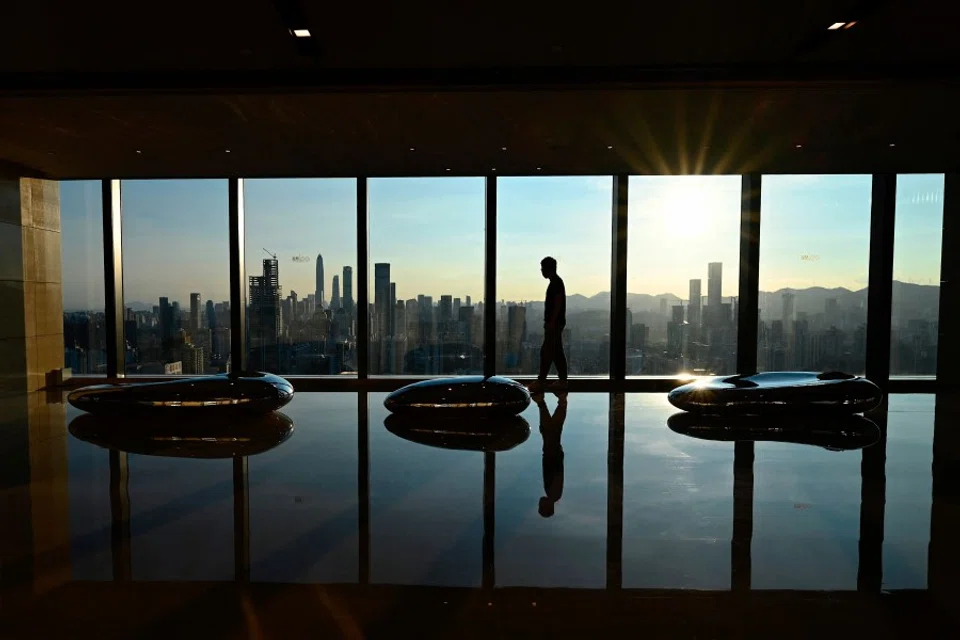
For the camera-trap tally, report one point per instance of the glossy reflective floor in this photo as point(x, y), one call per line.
point(600, 506)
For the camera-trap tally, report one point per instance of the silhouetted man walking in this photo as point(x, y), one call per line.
point(554, 320)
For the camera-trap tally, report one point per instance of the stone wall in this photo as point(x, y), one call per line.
point(31, 293)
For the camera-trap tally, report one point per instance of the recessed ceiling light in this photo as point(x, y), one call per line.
point(893, 144)
point(836, 25)
point(226, 150)
point(538, 168)
point(503, 148)
point(799, 146)
point(300, 33)
point(138, 151)
point(494, 169)
point(448, 168)
point(412, 149)
point(849, 24)
point(609, 146)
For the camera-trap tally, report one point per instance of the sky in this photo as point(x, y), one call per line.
point(815, 232)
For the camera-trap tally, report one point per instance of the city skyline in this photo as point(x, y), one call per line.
point(181, 242)
point(809, 328)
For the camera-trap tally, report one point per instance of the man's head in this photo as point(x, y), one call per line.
point(548, 267)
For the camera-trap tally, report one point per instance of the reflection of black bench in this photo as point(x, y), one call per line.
point(778, 392)
point(837, 433)
point(463, 395)
point(207, 436)
point(241, 391)
point(466, 434)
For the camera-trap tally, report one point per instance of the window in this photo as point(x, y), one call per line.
point(916, 275)
point(568, 219)
point(426, 273)
point(551, 499)
point(426, 508)
point(81, 236)
point(677, 502)
point(176, 281)
point(814, 262)
point(300, 250)
point(303, 495)
point(683, 258)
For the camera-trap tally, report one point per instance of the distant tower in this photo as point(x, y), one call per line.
point(335, 297)
point(788, 298)
point(320, 292)
point(166, 324)
point(348, 289)
point(211, 315)
point(381, 297)
point(714, 284)
point(693, 307)
point(393, 308)
point(194, 315)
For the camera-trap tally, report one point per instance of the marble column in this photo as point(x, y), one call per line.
point(31, 294)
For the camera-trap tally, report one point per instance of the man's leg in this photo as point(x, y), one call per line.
point(546, 355)
point(559, 357)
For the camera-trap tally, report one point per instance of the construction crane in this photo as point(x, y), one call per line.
point(272, 255)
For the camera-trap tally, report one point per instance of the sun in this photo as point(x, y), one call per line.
point(685, 211)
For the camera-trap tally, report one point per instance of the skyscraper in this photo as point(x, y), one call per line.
point(348, 289)
point(335, 296)
point(445, 314)
point(788, 298)
point(693, 308)
point(211, 315)
point(264, 330)
point(393, 307)
point(194, 315)
point(381, 297)
point(320, 292)
point(714, 284)
point(166, 326)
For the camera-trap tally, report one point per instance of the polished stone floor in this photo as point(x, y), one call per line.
point(346, 510)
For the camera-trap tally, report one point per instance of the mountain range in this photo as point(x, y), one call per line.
point(922, 301)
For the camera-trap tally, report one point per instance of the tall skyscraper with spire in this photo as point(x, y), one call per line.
point(320, 300)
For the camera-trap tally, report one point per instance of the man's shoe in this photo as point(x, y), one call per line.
point(536, 386)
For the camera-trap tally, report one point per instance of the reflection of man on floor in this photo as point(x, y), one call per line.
point(551, 429)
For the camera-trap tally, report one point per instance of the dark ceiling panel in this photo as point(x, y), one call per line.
point(455, 133)
point(54, 35)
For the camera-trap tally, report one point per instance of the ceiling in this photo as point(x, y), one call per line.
point(90, 91)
